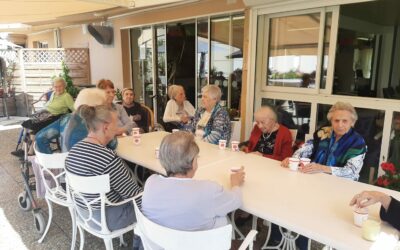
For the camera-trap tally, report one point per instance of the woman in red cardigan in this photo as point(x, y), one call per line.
point(269, 138)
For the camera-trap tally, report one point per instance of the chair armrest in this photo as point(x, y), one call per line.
point(248, 241)
point(124, 201)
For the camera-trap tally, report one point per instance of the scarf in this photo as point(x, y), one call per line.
point(331, 153)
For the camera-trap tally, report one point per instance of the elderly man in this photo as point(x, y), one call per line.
point(135, 111)
point(269, 138)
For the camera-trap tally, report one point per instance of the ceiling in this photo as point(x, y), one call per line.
point(43, 14)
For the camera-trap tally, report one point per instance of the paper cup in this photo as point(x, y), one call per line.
point(371, 229)
point(235, 146)
point(360, 215)
point(157, 153)
point(135, 131)
point(235, 169)
point(222, 144)
point(294, 164)
point(136, 139)
point(175, 130)
point(305, 161)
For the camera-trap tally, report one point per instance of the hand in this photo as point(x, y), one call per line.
point(136, 117)
point(313, 168)
point(237, 178)
point(285, 162)
point(184, 119)
point(244, 149)
point(257, 153)
point(367, 198)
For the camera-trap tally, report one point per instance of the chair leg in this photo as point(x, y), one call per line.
point(73, 219)
point(122, 243)
point(82, 238)
point(48, 221)
point(108, 244)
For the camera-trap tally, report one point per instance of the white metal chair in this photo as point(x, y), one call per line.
point(94, 185)
point(52, 168)
point(155, 236)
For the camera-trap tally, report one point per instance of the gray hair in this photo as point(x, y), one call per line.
point(177, 152)
point(173, 90)
point(213, 91)
point(59, 79)
point(266, 112)
point(342, 106)
point(91, 97)
point(94, 116)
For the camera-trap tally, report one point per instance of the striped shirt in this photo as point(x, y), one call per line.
point(89, 159)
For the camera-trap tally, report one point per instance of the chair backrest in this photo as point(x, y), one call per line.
point(293, 132)
point(150, 115)
point(154, 235)
point(95, 186)
point(52, 166)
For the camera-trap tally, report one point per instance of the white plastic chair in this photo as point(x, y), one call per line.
point(53, 166)
point(155, 236)
point(98, 185)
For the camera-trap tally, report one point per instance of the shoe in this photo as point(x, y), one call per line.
point(240, 221)
point(18, 153)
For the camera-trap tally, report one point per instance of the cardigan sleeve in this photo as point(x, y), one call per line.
point(170, 112)
point(392, 214)
point(283, 145)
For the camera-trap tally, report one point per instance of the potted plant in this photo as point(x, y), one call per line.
point(391, 178)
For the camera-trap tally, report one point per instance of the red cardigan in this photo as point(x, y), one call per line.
point(283, 143)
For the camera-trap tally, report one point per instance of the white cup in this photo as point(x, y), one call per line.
point(305, 161)
point(135, 131)
point(222, 144)
point(136, 139)
point(371, 229)
point(235, 146)
point(157, 153)
point(235, 169)
point(175, 130)
point(360, 215)
point(294, 163)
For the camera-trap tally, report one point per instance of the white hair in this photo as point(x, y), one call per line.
point(213, 91)
point(343, 106)
point(91, 97)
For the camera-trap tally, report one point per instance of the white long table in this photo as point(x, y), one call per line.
point(314, 205)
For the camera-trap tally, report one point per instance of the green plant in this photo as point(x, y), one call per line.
point(118, 94)
point(71, 89)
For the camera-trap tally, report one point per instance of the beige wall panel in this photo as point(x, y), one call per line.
point(74, 38)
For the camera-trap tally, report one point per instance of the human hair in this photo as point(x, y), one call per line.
point(91, 97)
point(177, 152)
point(127, 89)
point(105, 83)
point(342, 106)
point(173, 90)
point(213, 92)
point(266, 112)
point(94, 116)
point(59, 79)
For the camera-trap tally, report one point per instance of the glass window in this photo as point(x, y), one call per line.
point(394, 149)
point(161, 83)
point(367, 53)
point(325, 58)
point(370, 126)
point(293, 115)
point(293, 50)
point(202, 56)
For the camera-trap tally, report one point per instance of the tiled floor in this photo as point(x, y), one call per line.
point(17, 230)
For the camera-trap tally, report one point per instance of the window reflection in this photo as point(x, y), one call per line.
point(325, 59)
point(161, 87)
point(394, 149)
point(370, 126)
point(293, 50)
point(293, 115)
point(202, 56)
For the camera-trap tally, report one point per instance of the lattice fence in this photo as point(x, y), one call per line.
point(47, 56)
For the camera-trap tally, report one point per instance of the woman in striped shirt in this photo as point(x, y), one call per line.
point(91, 157)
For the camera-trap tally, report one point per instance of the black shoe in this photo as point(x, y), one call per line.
point(18, 153)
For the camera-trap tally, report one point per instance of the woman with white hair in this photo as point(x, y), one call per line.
point(71, 128)
point(211, 122)
point(338, 150)
point(269, 138)
point(178, 110)
point(180, 202)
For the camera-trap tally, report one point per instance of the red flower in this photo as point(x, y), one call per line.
point(387, 166)
point(386, 182)
point(379, 182)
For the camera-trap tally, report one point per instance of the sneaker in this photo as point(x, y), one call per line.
point(18, 153)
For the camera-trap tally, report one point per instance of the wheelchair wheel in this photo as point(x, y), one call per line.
point(24, 202)
point(39, 221)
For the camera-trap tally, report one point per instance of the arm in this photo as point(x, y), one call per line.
point(127, 123)
point(305, 151)
point(121, 181)
point(189, 108)
point(69, 102)
point(219, 129)
point(352, 168)
point(227, 200)
point(170, 112)
point(391, 213)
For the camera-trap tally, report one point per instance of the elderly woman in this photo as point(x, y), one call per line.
point(390, 207)
point(60, 103)
point(134, 110)
point(211, 122)
point(179, 202)
point(178, 110)
point(91, 157)
point(269, 138)
point(71, 128)
point(125, 124)
point(338, 150)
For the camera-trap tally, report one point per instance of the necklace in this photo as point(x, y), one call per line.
point(95, 139)
point(266, 137)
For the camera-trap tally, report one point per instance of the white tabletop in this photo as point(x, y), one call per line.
point(314, 205)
